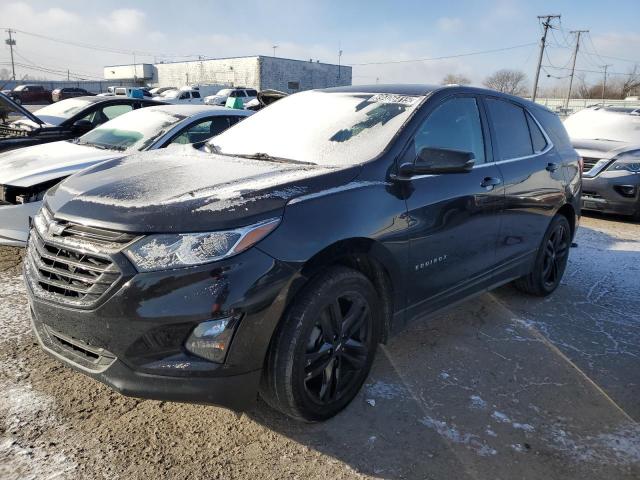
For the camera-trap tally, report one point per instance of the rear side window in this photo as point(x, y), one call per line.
point(537, 137)
point(511, 129)
point(195, 94)
point(252, 93)
point(454, 125)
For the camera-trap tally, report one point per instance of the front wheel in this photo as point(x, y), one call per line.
point(323, 350)
point(551, 260)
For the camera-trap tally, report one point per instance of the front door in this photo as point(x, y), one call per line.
point(453, 217)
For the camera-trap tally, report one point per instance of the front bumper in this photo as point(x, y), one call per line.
point(133, 340)
point(603, 193)
point(14, 223)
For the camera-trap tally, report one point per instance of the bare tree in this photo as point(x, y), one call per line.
point(631, 82)
point(508, 81)
point(455, 78)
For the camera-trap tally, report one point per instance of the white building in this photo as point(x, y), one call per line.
point(257, 72)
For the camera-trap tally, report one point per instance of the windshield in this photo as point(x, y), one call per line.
point(224, 92)
point(170, 93)
point(136, 130)
point(320, 127)
point(603, 125)
point(63, 109)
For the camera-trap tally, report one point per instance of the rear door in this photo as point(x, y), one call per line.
point(534, 182)
point(454, 217)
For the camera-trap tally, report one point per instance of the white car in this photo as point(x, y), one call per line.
point(27, 173)
point(184, 95)
point(220, 98)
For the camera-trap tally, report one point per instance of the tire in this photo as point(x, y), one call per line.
point(551, 260)
point(323, 349)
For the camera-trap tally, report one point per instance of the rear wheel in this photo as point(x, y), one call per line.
point(323, 351)
point(551, 260)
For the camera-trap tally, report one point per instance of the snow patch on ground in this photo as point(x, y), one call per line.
point(451, 433)
point(386, 390)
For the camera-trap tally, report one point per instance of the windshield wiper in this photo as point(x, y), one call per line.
point(270, 158)
point(100, 146)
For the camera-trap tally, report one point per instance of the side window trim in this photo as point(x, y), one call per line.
point(527, 112)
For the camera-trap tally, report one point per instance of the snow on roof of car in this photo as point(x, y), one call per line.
point(191, 109)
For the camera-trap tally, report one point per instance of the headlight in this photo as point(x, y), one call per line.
point(165, 251)
point(629, 161)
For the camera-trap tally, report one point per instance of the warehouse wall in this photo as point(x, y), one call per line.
point(253, 72)
point(294, 75)
point(228, 71)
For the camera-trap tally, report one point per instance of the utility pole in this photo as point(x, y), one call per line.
point(604, 81)
point(11, 42)
point(68, 75)
point(573, 66)
point(339, 58)
point(274, 49)
point(546, 23)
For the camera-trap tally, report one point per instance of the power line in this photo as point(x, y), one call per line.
point(469, 54)
point(591, 71)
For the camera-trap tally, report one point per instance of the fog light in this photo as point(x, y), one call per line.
point(211, 339)
point(626, 190)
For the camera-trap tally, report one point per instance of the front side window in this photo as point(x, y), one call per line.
point(195, 94)
point(511, 129)
point(453, 125)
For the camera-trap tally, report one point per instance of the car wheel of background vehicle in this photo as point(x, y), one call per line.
point(551, 260)
point(18, 101)
point(322, 352)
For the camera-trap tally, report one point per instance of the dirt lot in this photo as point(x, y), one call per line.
point(500, 387)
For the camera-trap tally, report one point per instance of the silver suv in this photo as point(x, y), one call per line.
point(220, 98)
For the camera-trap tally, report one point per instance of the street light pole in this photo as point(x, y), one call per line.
point(274, 50)
point(546, 24)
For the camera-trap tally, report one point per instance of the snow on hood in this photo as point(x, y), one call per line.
point(184, 189)
point(30, 166)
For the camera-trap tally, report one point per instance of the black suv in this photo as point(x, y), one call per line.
point(277, 256)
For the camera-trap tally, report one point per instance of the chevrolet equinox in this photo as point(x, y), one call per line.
point(278, 255)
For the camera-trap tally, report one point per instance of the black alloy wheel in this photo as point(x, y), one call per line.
point(556, 252)
point(551, 260)
point(323, 349)
point(337, 348)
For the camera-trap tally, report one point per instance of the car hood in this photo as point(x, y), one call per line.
point(30, 166)
point(184, 189)
point(602, 148)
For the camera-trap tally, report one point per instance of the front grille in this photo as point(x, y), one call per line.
point(587, 194)
point(12, 132)
point(72, 265)
point(80, 352)
point(589, 163)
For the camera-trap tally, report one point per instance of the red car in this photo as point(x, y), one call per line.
point(69, 92)
point(30, 94)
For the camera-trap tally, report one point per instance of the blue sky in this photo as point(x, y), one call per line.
point(371, 31)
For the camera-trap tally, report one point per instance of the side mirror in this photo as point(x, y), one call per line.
point(439, 160)
point(82, 126)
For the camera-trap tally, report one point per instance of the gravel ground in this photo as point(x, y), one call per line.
point(500, 387)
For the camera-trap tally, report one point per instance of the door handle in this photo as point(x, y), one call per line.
point(552, 167)
point(490, 182)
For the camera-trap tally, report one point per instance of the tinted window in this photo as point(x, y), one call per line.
point(195, 94)
point(537, 138)
point(234, 94)
point(453, 125)
point(511, 129)
point(252, 93)
point(203, 130)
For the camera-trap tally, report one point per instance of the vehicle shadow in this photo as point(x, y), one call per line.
point(416, 418)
